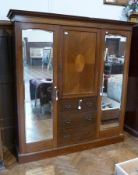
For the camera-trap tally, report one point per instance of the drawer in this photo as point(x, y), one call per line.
point(86, 103)
point(110, 115)
point(76, 135)
point(73, 120)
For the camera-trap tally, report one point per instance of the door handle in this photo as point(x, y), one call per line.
point(56, 93)
point(79, 104)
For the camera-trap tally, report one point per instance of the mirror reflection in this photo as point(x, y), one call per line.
point(38, 78)
point(111, 90)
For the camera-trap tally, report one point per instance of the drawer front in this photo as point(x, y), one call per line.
point(108, 115)
point(73, 120)
point(77, 135)
point(78, 104)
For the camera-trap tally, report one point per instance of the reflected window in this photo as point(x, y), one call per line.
point(112, 79)
point(38, 80)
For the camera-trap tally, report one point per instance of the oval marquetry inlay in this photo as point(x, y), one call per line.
point(79, 63)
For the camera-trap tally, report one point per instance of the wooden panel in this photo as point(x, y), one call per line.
point(113, 114)
point(7, 87)
point(131, 115)
point(8, 96)
point(7, 114)
point(77, 119)
point(87, 104)
point(110, 132)
point(69, 149)
point(8, 136)
point(1, 109)
point(60, 19)
point(77, 135)
point(76, 126)
point(79, 64)
point(1, 152)
point(6, 61)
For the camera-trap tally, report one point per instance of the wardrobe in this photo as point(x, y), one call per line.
point(7, 90)
point(131, 115)
point(71, 81)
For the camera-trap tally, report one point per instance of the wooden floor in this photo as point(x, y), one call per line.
point(39, 124)
point(31, 72)
point(99, 161)
point(38, 119)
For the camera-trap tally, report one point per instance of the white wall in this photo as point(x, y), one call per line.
point(90, 8)
point(38, 35)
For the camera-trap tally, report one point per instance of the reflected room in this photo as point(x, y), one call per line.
point(111, 90)
point(38, 79)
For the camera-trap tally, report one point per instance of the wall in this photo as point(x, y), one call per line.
point(90, 8)
point(38, 35)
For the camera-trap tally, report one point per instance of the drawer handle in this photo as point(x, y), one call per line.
point(80, 104)
point(68, 122)
point(56, 93)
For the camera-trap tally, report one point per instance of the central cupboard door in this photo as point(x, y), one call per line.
point(78, 90)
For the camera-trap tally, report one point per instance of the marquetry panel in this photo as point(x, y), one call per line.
point(79, 65)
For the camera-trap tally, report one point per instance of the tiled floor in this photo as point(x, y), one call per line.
point(99, 161)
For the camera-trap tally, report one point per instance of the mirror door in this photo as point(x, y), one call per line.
point(112, 80)
point(38, 82)
point(36, 94)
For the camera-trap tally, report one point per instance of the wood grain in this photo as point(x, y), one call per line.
point(78, 71)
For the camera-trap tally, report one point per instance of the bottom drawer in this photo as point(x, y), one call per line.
point(77, 135)
point(110, 114)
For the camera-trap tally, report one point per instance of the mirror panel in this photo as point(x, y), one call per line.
point(111, 90)
point(37, 47)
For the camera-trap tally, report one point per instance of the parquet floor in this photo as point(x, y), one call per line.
point(98, 161)
point(39, 124)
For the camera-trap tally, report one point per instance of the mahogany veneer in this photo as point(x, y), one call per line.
point(78, 50)
point(131, 115)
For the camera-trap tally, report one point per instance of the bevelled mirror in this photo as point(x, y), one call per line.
point(111, 89)
point(37, 47)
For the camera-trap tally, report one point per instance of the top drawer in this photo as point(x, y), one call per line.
point(78, 104)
